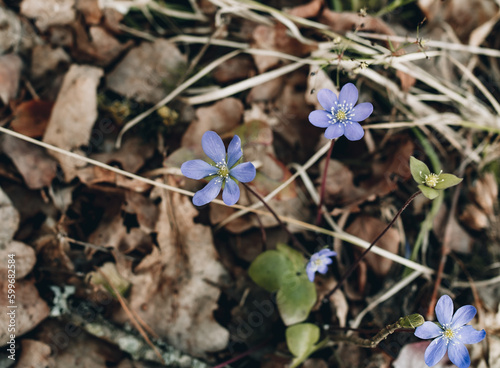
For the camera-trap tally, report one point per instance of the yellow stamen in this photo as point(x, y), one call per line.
point(341, 115)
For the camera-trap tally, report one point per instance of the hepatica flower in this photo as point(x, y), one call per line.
point(450, 334)
point(431, 184)
point(340, 115)
point(223, 172)
point(319, 263)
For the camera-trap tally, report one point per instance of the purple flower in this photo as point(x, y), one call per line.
point(450, 334)
point(222, 172)
point(340, 116)
point(319, 263)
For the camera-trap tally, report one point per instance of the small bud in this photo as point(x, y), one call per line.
point(411, 321)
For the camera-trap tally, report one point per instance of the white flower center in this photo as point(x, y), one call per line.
point(431, 180)
point(223, 171)
point(341, 113)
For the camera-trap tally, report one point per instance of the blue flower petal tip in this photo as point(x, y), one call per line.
point(341, 115)
point(450, 334)
point(319, 263)
point(223, 173)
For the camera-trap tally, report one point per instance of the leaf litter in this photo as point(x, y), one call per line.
point(63, 61)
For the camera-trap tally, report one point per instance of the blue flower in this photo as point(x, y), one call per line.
point(451, 333)
point(340, 116)
point(222, 172)
point(319, 263)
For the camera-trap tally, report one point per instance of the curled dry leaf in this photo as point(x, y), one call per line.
point(35, 354)
point(25, 258)
point(74, 114)
point(367, 228)
point(91, 10)
point(148, 72)
point(30, 311)
point(10, 72)
point(237, 68)
point(49, 12)
point(34, 164)
point(485, 193)
point(169, 288)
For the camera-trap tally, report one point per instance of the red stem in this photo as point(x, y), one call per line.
point(356, 263)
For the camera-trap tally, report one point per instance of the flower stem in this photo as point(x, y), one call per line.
point(323, 183)
point(294, 239)
point(374, 341)
point(241, 356)
point(356, 263)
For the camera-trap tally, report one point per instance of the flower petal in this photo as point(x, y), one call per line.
point(435, 351)
point(327, 260)
point(231, 192)
point(463, 316)
point(458, 354)
point(361, 111)
point(469, 335)
point(214, 147)
point(348, 95)
point(244, 172)
point(323, 268)
point(208, 193)
point(197, 169)
point(310, 270)
point(354, 131)
point(334, 131)
point(319, 118)
point(326, 253)
point(444, 310)
point(327, 99)
point(234, 151)
point(428, 330)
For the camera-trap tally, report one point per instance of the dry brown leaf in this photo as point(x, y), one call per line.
point(35, 354)
point(148, 72)
point(97, 46)
point(340, 189)
point(91, 10)
point(145, 210)
point(309, 10)
point(275, 38)
point(25, 258)
point(34, 164)
point(10, 72)
point(73, 347)
point(46, 59)
point(234, 69)
point(459, 240)
point(221, 117)
point(11, 30)
point(171, 294)
point(30, 311)
point(474, 218)
point(31, 117)
point(9, 218)
point(458, 14)
point(485, 193)
point(49, 12)
point(74, 114)
point(132, 154)
point(266, 91)
point(367, 228)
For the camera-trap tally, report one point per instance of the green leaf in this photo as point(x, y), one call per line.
point(447, 180)
point(301, 338)
point(430, 193)
point(295, 298)
point(418, 170)
point(297, 259)
point(269, 269)
point(301, 341)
